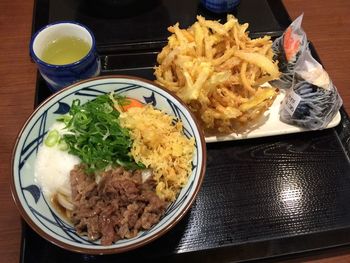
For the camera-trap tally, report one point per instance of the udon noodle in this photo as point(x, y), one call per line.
point(118, 201)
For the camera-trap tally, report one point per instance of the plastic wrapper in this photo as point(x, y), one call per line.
point(287, 50)
point(313, 100)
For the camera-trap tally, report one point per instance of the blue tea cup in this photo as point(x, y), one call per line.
point(66, 72)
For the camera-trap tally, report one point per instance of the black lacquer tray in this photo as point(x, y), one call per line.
point(261, 198)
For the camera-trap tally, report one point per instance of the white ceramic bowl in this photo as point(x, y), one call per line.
point(38, 212)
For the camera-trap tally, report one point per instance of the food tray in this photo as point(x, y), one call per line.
point(270, 125)
point(261, 198)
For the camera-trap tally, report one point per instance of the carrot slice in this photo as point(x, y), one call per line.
point(131, 104)
point(291, 44)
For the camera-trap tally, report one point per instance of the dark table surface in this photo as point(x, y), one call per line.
point(18, 94)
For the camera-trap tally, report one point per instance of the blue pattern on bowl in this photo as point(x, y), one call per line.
point(63, 108)
point(34, 190)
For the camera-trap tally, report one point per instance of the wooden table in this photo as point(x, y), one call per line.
point(327, 25)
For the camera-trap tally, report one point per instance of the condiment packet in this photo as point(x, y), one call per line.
point(313, 100)
point(287, 50)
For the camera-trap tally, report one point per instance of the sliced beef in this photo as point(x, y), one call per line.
point(118, 206)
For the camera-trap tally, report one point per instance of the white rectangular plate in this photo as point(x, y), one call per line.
point(272, 126)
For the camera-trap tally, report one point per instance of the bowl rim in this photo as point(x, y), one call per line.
point(102, 251)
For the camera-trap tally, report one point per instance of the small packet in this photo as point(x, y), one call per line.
point(313, 100)
point(287, 50)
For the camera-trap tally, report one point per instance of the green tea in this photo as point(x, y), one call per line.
point(65, 50)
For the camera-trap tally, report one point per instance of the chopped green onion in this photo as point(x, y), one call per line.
point(52, 138)
point(95, 135)
point(62, 145)
point(64, 118)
